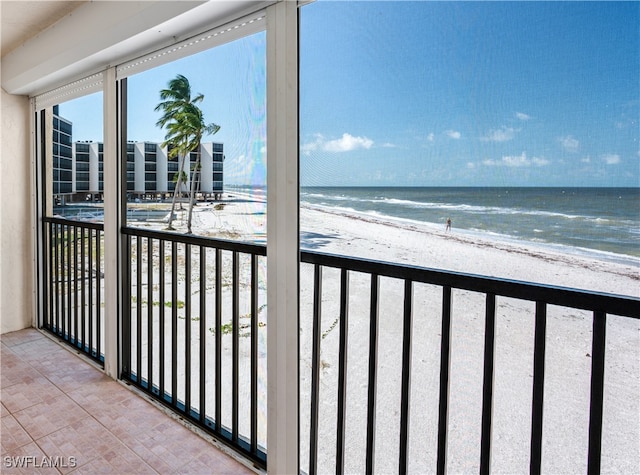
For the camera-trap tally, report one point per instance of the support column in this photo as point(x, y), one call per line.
point(282, 238)
point(111, 225)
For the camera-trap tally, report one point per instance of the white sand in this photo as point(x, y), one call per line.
point(568, 347)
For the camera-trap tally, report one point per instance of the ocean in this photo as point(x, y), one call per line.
point(599, 222)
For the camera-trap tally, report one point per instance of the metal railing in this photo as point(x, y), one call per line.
point(194, 336)
point(73, 284)
point(600, 304)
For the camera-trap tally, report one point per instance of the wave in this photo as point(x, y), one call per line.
point(465, 208)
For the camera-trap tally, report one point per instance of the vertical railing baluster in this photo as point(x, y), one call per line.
point(254, 353)
point(75, 286)
point(342, 369)
point(373, 367)
point(69, 274)
point(234, 346)
point(406, 377)
point(315, 368)
point(445, 367)
point(538, 388)
point(83, 302)
point(218, 334)
point(139, 310)
point(99, 235)
point(91, 284)
point(127, 331)
point(187, 329)
point(203, 333)
point(63, 281)
point(174, 323)
point(487, 390)
point(150, 314)
point(161, 319)
point(597, 391)
point(47, 300)
point(55, 297)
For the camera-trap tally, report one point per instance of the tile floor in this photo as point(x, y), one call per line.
point(58, 409)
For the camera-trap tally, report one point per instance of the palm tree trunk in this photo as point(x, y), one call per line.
point(196, 172)
point(175, 193)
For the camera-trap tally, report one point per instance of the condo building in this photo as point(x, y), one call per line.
point(78, 168)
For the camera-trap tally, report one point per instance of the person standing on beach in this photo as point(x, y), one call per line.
point(448, 228)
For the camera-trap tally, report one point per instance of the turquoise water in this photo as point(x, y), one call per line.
point(601, 221)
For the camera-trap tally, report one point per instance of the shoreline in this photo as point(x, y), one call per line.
point(469, 235)
point(333, 230)
point(482, 235)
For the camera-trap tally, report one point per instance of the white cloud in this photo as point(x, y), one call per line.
point(346, 143)
point(431, 137)
point(517, 161)
point(502, 134)
point(540, 162)
point(586, 160)
point(453, 134)
point(569, 143)
point(611, 159)
point(522, 116)
point(388, 145)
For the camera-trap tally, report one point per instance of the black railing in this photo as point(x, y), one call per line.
point(544, 296)
point(73, 287)
point(194, 336)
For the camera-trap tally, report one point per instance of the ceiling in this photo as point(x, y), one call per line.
point(21, 20)
point(47, 44)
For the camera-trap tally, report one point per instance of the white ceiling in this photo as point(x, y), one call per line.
point(22, 20)
point(46, 44)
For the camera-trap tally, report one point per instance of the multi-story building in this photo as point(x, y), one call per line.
point(63, 163)
point(78, 168)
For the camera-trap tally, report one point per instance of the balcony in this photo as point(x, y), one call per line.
point(362, 379)
point(59, 410)
point(194, 340)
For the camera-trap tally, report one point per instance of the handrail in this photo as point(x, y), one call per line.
point(224, 244)
point(73, 222)
point(626, 306)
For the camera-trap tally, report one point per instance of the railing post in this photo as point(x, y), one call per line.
point(373, 377)
point(597, 392)
point(407, 329)
point(315, 369)
point(342, 369)
point(283, 237)
point(487, 390)
point(445, 367)
point(535, 463)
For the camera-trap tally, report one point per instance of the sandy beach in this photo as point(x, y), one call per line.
point(568, 360)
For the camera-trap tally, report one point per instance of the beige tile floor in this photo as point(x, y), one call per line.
point(58, 409)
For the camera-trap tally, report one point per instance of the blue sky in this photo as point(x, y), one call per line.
point(432, 94)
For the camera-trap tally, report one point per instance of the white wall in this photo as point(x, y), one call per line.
point(16, 232)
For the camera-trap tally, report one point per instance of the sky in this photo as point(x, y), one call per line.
point(430, 94)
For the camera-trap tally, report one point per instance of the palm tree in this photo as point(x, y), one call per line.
point(185, 126)
point(194, 120)
point(179, 178)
